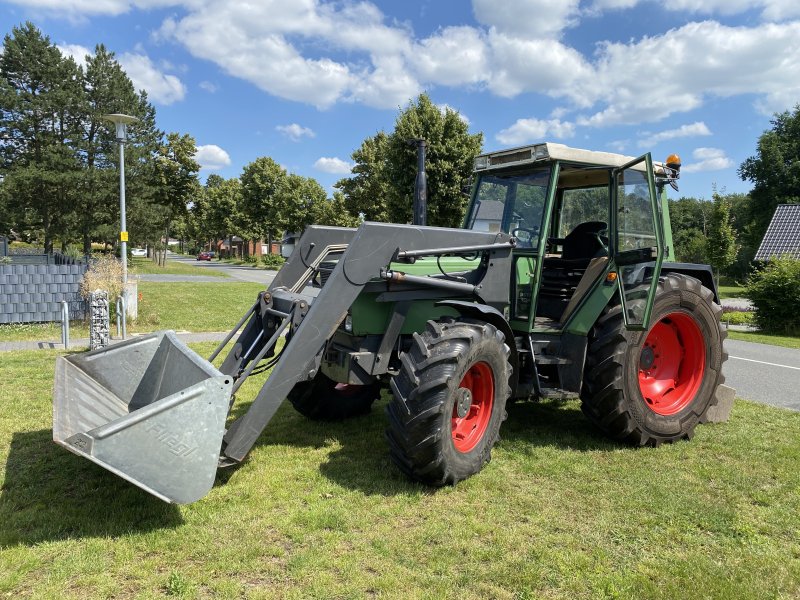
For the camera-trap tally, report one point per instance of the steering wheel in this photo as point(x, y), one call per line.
point(526, 240)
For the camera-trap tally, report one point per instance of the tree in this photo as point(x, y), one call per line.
point(333, 212)
point(217, 209)
point(107, 89)
point(722, 247)
point(451, 152)
point(40, 110)
point(262, 181)
point(774, 172)
point(177, 184)
point(382, 185)
point(365, 192)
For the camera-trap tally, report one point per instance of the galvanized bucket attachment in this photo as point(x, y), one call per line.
point(149, 409)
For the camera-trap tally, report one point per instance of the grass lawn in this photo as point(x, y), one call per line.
point(731, 291)
point(765, 338)
point(141, 266)
point(179, 306)
point(318, 511)
point(193, 306)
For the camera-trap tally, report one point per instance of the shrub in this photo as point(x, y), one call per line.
point(775, 293)
point(104, 273)
point(273, 261)
point(738, 317)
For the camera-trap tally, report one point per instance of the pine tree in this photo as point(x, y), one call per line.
point(40, 111)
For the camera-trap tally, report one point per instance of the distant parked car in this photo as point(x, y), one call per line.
point(138, 252)
point(205, 256)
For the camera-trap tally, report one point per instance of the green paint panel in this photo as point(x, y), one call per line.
point(372, 317)
point(428, 265)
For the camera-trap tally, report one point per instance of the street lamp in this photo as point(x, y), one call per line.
point(121, 122)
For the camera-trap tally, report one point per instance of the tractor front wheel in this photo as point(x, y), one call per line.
point(324, 399)
point(654, 386)
point(449, 401)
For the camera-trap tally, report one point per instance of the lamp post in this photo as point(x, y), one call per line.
point(121, 122)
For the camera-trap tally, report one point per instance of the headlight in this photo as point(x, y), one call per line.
point(540, 152)
point(481, 162)
point(348, 323)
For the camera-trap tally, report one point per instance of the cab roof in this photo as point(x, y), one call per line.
point(548, 152)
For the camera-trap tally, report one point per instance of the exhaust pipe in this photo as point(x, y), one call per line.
point(420, 185)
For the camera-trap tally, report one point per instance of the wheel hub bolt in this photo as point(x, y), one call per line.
point(463, 402)
point(647, 358)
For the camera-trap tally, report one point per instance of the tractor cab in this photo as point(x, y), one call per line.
point(586, 224)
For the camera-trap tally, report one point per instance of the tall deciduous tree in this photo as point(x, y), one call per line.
point(262, 182)
point(177, 184)
point(218, 208)
point(722, 247)
point(451, 152)
point(333, 212)
point(774, 171)
point(365, 192)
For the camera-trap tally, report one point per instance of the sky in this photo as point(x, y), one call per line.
point(306, 81)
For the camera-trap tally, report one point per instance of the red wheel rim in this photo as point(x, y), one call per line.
point(472, 409)
point(672, 363)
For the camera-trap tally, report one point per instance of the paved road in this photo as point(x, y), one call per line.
point(764, 373)
point(241, 273)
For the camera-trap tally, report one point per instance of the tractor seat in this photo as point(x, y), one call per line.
point(584, 241)
point(561, 275)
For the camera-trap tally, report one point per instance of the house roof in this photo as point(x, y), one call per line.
point(490, 210)
point(783, 234)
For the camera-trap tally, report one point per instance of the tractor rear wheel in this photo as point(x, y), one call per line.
point(654, 386)
point(449, 400)
point(324, 399)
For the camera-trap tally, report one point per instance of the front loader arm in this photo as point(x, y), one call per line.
point(371, 247)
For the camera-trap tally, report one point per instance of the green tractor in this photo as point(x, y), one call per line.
point(562, 282)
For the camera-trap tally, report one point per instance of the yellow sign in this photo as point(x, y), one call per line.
point(123, 236)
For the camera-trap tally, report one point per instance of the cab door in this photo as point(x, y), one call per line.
point(637, 246)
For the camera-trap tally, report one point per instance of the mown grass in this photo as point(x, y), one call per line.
point(319, 511)
point(731, 291)
point(143, 266)
point(193, 306)
point(759, 337)
point(181, 306)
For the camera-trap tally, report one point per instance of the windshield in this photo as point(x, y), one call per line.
point(511, 203)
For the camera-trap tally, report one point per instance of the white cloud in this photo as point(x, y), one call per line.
point(208, 86)
point(295, 132)
point(771, 10)
point(94, 7)
point(76, 51)
point(692, 130)
point(619, 146)
point(333, 165)
point(323, 52)
point(454, 56)
point(527, 18)
point(160, 87)
point(543, 66)
point(211, 157)
point(708, 159)
point(633, 83)
point(443, 108)
point(526, 131)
